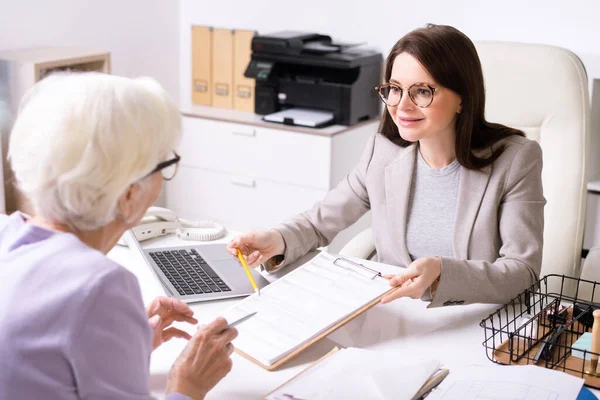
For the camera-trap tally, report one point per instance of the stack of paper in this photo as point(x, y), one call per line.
point(298, 307)
point(358, 374)
point(301, 116)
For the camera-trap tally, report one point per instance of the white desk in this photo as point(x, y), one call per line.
point(405, 327)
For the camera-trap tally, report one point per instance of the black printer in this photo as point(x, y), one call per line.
point(310, 71)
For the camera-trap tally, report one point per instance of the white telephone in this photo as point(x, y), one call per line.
point(160, 221)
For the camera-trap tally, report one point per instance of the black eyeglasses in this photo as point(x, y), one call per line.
point(421, 94)
point(167, 168)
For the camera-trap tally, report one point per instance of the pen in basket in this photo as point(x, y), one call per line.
point(595, 345)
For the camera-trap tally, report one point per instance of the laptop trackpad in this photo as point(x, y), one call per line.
point(232, 272)
point(214, 252)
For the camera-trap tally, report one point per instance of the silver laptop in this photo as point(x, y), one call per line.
point(199, 272)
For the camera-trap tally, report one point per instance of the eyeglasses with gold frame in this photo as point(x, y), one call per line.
point(421, 94)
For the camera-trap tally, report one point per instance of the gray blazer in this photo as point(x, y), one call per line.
point(497, 241)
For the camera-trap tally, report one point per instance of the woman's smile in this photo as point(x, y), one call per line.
point(409, 122)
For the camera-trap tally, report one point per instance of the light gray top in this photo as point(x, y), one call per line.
point(431, 209)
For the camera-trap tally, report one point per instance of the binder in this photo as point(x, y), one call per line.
point(202, 65)
point(243, 88)
point(222, 68)
point(329, 292)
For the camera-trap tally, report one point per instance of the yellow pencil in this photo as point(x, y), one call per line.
point(256, 289)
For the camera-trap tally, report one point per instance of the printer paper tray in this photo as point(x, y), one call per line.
point(301, 116)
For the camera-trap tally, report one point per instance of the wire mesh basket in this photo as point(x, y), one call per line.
point(541, 325)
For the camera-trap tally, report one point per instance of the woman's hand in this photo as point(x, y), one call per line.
point(257, 246)
point(162, 312)
point(417, 278)
point(205, 360)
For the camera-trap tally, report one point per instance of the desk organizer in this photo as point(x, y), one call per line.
point(540, 326)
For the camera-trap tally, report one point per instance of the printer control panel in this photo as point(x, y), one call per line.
point(259, 70)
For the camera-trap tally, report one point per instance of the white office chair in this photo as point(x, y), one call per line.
point(543, 91)
point(2, 203)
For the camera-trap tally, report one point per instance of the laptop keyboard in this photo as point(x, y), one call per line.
point(188, 272)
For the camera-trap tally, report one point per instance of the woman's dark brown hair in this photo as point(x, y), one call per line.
point(451, 59)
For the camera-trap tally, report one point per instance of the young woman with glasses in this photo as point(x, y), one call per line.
point(456, 201)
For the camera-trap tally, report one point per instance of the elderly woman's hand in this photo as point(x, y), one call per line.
point(417, 278)
point(162, 312)
point(205, 360)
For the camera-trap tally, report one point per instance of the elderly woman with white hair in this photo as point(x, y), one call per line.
point(88, 152)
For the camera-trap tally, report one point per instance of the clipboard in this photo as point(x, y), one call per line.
point(339, 261)
point(320, 336)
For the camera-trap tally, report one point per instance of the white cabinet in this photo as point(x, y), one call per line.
point(237, 200)
point(250, 174)
point(281, 156)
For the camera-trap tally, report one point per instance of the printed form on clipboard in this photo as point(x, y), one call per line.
point(305, 305)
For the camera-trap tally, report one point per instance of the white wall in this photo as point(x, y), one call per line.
point(573, 24)
point(141, 35)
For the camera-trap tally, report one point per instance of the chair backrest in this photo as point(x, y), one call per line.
point(543, 90)
point(2, 204)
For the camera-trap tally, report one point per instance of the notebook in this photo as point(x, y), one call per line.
point(358, 374)
point(304, 306)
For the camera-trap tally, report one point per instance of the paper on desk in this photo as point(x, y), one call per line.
point(512, 381)
point(361, 387)
point(403, 383)
point(359, 374)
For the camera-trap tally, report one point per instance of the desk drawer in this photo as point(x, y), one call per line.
point(275, 155)
point(238, 201)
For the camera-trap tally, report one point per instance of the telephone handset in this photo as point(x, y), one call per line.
point(160, 221)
